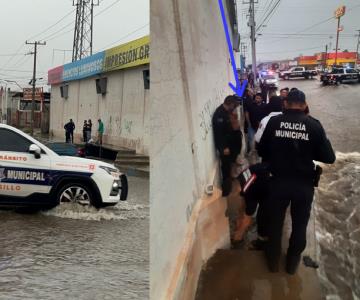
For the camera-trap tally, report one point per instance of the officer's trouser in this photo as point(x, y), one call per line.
point(256, 197)
point(226, 161)
point(282, 192)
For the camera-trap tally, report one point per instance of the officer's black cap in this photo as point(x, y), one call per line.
point(296, 96)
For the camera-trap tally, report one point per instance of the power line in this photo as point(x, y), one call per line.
point(266, 10)
point(15, 70)
point(290, 51)
point(47, 29)
point(12, 57)
point(269, 15)
point(125, 36)
point(317, 24)
point(55, 35)
point(13, 54)
point(106, 8)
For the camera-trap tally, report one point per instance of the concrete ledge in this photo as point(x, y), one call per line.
point(208, 230)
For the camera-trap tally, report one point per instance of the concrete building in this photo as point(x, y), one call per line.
point(112, 85)
point(191, 71)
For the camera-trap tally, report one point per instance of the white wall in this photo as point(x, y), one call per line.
point(190, 71)
point(124, 109)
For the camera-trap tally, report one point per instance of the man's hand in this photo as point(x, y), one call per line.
point(226, 151)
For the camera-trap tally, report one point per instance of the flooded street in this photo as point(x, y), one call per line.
point(78, 252)
point(337, 206)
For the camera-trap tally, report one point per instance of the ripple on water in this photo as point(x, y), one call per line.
point(122, 211)
point(338, 227)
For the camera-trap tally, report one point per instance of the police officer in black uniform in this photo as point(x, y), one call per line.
point(223, 136)
point(290, 143)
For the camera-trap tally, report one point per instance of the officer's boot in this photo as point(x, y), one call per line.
point(292, 263)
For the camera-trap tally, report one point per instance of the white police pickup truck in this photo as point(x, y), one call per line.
point(32, 175)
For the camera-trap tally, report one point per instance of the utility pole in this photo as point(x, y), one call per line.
point(339, 12)
point(357, 47)
point(36, 43)
point(253, 38)
point(325, 58)
point(337, 41)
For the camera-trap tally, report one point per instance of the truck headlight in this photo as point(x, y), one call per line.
point(115, 189)
point(109, 170)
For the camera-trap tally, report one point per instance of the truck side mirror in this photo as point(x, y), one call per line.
point(35, 149)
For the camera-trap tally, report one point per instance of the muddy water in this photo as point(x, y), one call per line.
point(338, 227)
point(74, 252)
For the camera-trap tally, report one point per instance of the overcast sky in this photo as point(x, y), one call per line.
point(118, 22)
point(297, 18)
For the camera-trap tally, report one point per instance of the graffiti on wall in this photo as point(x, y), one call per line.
point(128, 126)
point(205, 115)
point(190, 208)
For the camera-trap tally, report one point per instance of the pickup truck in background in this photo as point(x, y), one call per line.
point(340, 75)
point(297, 72)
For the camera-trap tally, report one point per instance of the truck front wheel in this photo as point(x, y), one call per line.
point(75, 193)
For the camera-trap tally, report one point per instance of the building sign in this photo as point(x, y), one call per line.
point(128, 55)
point(83, 68)
point(56, 75)
point(340, 11)
point(39, 95)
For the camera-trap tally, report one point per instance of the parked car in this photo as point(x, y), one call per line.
point(66, 149)
point(268, 80)
point(297, 72)
point(340, 75)
point(32, 175)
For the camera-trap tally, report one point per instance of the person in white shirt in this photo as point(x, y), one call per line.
point(274, 108)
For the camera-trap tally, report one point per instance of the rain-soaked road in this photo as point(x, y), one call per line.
point(338, 109)
point(337, 202)
point(77, 252)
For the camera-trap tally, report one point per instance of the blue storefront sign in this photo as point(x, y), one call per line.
point(86, 67)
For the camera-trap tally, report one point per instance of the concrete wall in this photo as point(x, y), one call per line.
point(124, 109)
point(190, 71)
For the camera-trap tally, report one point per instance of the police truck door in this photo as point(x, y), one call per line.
point(21, 173)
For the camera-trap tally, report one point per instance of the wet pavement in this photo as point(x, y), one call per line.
point(337, 107)
point(236, 279)
point(333, 231)
point(76, 252)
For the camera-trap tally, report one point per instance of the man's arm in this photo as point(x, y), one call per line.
point(218, 128)
point(323, 149)
point(261, 129)
point(264, 143)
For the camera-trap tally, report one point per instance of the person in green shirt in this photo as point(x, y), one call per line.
point(100, 131)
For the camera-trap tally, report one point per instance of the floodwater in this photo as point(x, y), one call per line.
point(76, 252)
point(337, 204)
